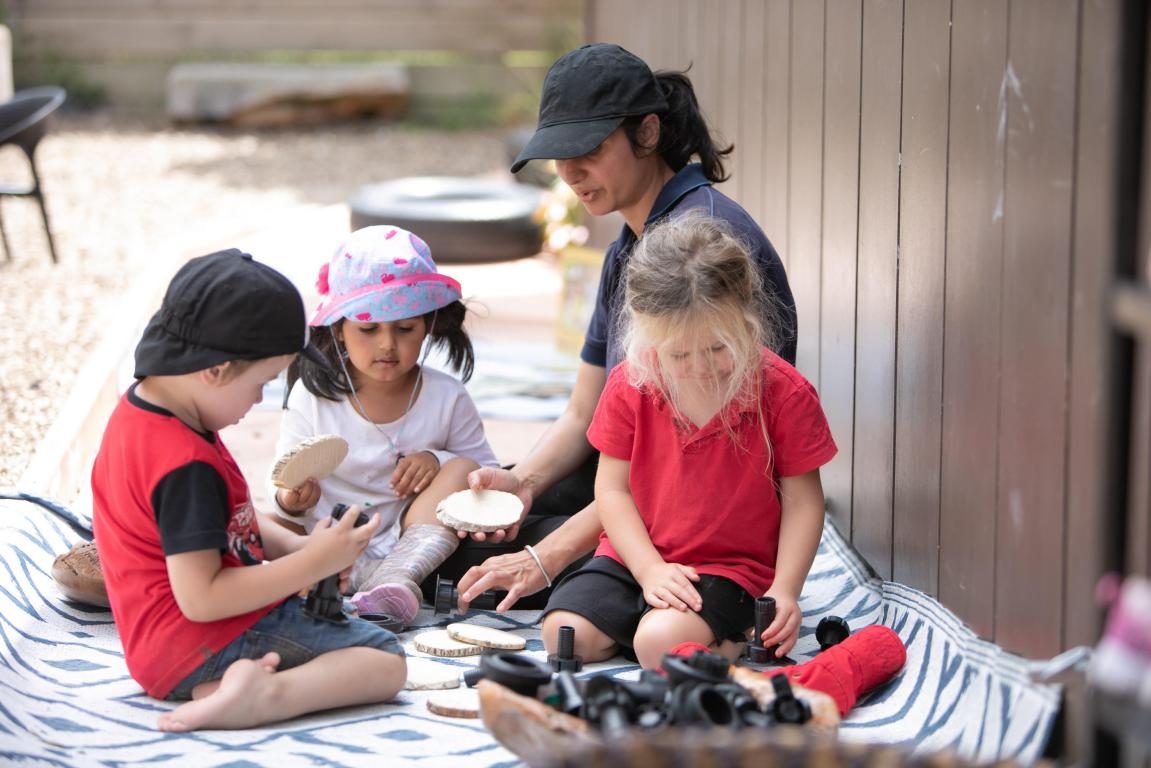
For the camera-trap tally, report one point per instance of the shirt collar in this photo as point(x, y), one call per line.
point(688, 178)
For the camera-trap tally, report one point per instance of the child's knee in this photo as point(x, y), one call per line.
point(392, 671)
point(589, 642)
point(662, 630)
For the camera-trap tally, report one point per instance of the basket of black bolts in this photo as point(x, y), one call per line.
point(696, 690)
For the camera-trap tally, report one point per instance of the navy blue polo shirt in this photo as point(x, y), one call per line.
point(687, 190)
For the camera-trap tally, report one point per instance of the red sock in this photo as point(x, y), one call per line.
point(846, 671)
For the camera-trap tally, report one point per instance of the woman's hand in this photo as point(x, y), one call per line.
point(784, 630)
point(297, 501)
point(496, 479)
point(515, 572)
point(414, 473)
point(669, 585)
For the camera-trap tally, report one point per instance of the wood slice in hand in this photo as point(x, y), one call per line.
point(485, 510)
point(317, 457)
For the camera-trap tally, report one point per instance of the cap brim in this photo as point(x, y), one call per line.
point(564, 141)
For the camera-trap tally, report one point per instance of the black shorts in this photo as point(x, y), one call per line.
point(605, 593)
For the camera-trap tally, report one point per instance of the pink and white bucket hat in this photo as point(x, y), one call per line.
point(381, 274)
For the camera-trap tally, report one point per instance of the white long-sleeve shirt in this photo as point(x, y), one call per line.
point(443, 420)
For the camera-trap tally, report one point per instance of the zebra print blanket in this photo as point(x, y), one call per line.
point(66, 698)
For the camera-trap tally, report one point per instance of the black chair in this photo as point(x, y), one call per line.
point(23, 122)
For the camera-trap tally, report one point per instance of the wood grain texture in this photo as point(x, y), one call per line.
point(973, 307)
point(873, 459)
point(805, 179)
point(1035, 290)
point(840, 227)
point(921, 285)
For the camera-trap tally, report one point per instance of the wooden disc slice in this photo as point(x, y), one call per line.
point(317, 457)
point(438, 642)
point(463, 702)
point(487, 637)
point(429, 675)
point(485, 510)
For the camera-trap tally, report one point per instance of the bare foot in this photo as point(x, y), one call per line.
point(231, 704)
point(270, 661)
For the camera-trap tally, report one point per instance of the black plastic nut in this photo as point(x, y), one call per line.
point(514, 671)
point(831, 630)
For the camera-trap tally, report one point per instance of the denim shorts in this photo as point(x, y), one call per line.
point(297, 637)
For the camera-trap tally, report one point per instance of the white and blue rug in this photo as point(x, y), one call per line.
point(66, 698)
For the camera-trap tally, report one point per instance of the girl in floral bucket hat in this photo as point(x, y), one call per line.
point(413, 432)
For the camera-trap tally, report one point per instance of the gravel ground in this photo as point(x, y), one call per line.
point(120, 190)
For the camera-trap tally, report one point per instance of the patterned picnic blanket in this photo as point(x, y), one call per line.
point(66, 698)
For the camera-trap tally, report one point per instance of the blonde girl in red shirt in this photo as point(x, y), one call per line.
point(708, 484)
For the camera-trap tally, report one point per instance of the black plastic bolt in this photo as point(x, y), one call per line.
point(764, 615)
point(565, 658)
point(570, 699)
point(448, 597)
point(785, 707)
point(324, 600)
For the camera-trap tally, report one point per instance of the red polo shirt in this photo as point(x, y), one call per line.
point(707, 499)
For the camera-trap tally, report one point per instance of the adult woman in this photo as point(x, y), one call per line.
point(622, 138)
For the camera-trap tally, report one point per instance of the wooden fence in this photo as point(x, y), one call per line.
point(939, 178)
point(456, 46)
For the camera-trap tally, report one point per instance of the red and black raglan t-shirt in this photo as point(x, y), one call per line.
point(160, 488)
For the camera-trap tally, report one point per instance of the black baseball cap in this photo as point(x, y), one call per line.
point(220, 307)
point(586, 95)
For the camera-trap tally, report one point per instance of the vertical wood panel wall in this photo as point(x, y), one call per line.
point(937, 177)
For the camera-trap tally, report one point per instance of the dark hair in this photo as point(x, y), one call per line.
point(684, 131)
point(447, 331)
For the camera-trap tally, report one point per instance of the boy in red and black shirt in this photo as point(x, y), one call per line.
point(200, 614)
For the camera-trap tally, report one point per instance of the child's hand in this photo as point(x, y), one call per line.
point(299, 500)
point(338, 545)
point(414, 473)
point(669, 585)
point(784, 630)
